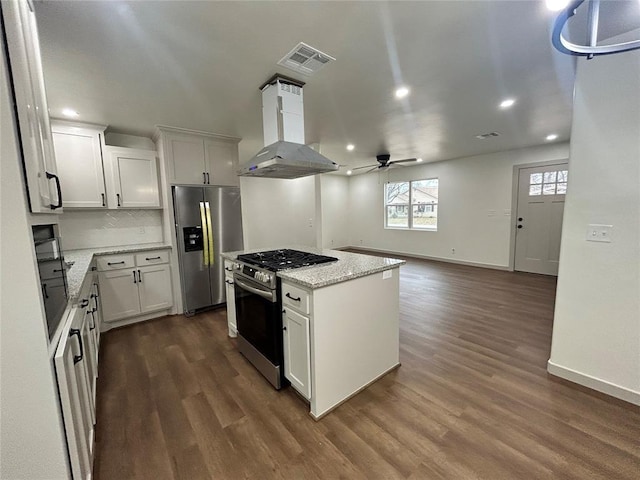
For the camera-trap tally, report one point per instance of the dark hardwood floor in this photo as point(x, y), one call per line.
point(472, 398)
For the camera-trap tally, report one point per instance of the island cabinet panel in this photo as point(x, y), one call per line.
point(354, 337)
point(297, 351)
point(231, 298)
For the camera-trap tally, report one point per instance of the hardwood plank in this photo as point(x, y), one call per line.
point(472, 399)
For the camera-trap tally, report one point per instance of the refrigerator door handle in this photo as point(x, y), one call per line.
point(205, 235)
point(209, 233)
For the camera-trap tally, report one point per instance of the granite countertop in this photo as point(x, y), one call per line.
point(82, 260)
point(348, 267)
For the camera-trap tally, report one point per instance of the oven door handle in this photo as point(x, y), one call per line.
point(264, 294)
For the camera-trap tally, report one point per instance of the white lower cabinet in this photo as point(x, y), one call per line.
point(72, 372)
point(297, 350)
point(120, 297)
point(136, 289)
point(154, 287)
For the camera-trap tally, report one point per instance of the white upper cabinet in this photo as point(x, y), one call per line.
point(197, 158)
point(134, 174)
point(95, 175)
point(221, 159)
point(79, 155)
point(45, 193)
point(187, 153)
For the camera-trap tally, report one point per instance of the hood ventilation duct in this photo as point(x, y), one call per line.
point(285, 154)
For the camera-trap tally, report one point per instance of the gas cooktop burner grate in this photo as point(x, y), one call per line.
point(283, 259)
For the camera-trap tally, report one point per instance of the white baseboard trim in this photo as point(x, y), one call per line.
point(594, 383)
point(435, 259)
point(106, 326)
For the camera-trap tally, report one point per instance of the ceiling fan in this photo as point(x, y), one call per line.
point(384, 162)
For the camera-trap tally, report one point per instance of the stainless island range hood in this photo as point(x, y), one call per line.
point(285, 154)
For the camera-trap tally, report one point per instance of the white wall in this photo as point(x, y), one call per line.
point(31, 435)
point(334, 193)
point(130, 141)
point(106, 228)
point(278, 213)
point(596, 333)
point(468, 189)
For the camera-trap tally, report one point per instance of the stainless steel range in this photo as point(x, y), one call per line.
point(259, 307)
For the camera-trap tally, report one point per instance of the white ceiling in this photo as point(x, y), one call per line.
point(198, 65)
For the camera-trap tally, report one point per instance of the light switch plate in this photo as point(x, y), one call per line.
point(599, 233)
point(387, 274)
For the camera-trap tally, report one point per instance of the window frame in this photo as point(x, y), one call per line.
point(409, 207)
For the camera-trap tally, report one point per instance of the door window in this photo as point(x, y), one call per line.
point(548, 183)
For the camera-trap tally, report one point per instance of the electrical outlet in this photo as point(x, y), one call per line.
point(599, 233)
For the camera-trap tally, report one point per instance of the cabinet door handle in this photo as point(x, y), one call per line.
point(115, 263)
point(292, 298)
point(72, 332)
point(44, 290)
point(204, 177)
point(84, 302)
point(139, 277)
point(134, 277)
point(58, 188)
point(152, 258)
point(118, 198)
point(284, 328)
point(103, 203)
point(93, 321)
point(208, 181)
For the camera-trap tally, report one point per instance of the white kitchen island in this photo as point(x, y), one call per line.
point(340, 325)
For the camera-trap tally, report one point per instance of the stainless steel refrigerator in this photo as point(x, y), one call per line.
point(208, 221)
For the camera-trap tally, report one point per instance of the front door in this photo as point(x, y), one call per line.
point(541, 192)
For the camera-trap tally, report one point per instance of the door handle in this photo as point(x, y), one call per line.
point(205, 239)
point(134, 277)
point(118, 198)
point(103, 203)
point(208, 179)
point(292, 298)
point(44, 290)
point(262, 293)
point(209, 233)
point(115, 263)
point(72, 332)
point(204, 177)
point(151, 258)
point(58, 188)
point(139, 277)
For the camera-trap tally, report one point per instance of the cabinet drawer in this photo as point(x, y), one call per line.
point(114, 262)
point(295, 297)
point(152, 258)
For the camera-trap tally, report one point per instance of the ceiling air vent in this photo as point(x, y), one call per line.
point(484, 136)
point(305, 59)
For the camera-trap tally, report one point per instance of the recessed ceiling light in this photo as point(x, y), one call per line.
point(507, 103)
point(402, 92)
point(349, 172)
point(350, 147)
point(418, 159)
point(556, 5)
point(69, 112)
point(551, 137)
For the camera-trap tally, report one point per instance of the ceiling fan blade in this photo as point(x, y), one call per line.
point(366, 166)
point(372, 169)
point(404, 161)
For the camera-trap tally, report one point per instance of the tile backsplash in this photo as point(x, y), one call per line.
point(106, 228)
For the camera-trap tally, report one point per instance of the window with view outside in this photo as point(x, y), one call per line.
point(412, 205)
